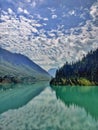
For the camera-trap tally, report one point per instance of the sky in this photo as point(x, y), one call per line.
point(49, 32)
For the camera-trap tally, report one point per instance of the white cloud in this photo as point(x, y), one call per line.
point(54, 16)
point(52, 10)
point(25, 11)
point(54, 51)
point(10, 11)
point(72, 12)
point(19, 10)
point(20, 37)
point(94, 10)
point(45, 19)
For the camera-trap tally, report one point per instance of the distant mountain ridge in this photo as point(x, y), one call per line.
point(52, 71)
point(19, 67)
point(84, 72)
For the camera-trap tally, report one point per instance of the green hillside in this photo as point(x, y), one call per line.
point(84, 72)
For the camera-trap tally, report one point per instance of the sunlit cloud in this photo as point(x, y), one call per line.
point(45, 37)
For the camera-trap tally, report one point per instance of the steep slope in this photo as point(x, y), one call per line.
point(84, 72)
point(18, 68)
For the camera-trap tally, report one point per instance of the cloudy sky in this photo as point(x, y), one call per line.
point(50, 32)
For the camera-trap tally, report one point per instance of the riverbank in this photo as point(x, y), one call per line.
point(72, 82)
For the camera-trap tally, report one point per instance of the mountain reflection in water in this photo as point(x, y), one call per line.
point(16, 95)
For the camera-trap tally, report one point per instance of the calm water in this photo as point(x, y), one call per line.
point(39, 107)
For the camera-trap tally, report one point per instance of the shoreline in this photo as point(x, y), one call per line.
point(72, 82)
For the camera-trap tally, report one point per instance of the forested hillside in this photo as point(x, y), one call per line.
point(84, 72)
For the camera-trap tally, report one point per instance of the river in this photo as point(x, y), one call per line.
point(40, 107)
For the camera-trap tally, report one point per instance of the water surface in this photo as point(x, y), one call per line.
point(67, 108)
point(16, 95)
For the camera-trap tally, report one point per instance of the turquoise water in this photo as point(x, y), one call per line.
point(40, 107)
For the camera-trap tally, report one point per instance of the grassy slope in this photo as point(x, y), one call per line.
point(20, 72)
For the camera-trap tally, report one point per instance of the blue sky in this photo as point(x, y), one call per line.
point(49, 32)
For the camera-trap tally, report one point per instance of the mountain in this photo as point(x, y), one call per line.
point(84, 72)
point(52, 72)
point(19, 68)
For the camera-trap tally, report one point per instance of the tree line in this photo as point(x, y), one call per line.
point(72, 73)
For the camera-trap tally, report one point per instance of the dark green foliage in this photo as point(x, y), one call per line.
point(75, 73)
